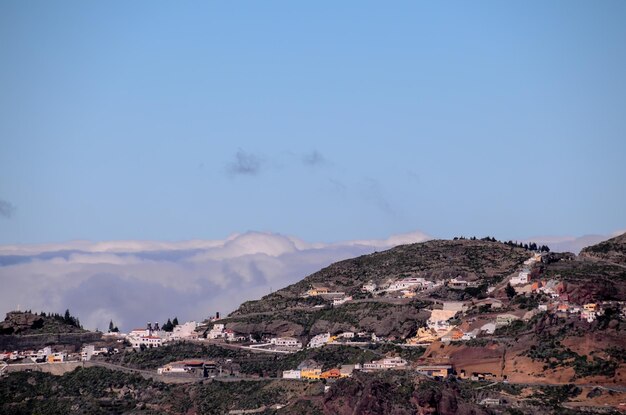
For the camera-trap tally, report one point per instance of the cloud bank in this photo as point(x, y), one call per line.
point(132, 282)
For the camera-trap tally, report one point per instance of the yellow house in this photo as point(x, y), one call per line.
point(313, 374)
point(56, 358)
point(317, 290)
point(435, 371)
point(590, 307)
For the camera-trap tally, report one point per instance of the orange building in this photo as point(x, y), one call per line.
point(331, 374)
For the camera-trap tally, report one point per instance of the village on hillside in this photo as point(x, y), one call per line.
point(450, 322)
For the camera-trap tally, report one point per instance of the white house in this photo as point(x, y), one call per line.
point(148, 341)
point(319, 340)
point(44, 353)
point(216, 332)
point(231, 336)
point(291, 374)
point(590, 316)
point(505, 319)
point(370, 287)
point(87, 352)
point(460, 283)
point(387, 363)
point(288, 342)
point(185, 331)
point(489, 328)
point(139, 333)
point(470, 335)
point(405, 283)
point(521, 278)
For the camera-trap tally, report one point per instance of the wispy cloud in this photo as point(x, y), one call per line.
point(6, 209)
point(372, 191)
point(338, 186)
point(245, 164)
point(132, 282)
point(314, 158)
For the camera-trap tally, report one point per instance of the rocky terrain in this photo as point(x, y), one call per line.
point(26, 330)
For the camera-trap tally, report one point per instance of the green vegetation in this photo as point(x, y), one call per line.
point(407, 353)
point(526, 303)
point(516, 328)
point(100, 391)
point(153, 358)
point(477, 292)
point(510, 291)
point(170, 324)
point(113, 328)
point(554, 396)
point(554, 354)
point(551, 351)
point(83, 391)
point(220, 397)
point(595, 367)
point(328, 357)
point(478, 342)
point(26, 322)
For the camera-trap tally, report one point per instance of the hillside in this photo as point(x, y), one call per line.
point(290, 312)
point(612, 250)
point(474, 260)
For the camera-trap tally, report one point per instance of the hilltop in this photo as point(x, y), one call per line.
point(28, 323)
point(612, 250)
point(24, 329)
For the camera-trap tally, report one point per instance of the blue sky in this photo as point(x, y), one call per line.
point(170, 121)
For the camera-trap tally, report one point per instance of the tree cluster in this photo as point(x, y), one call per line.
point(67, 318)
point(170, 324)
point(527, 246)
point(113, 328)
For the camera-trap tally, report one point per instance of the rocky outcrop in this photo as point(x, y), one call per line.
point(18, 322)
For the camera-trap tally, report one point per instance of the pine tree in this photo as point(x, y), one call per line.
point(510, 291)
point(175, 321)
point(168, 326)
